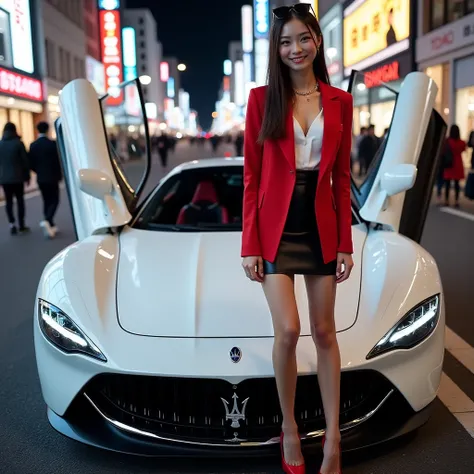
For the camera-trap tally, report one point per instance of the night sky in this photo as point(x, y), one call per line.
point(197, 32)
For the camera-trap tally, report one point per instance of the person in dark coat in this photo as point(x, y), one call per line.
point(14, 173)
point(44, 161)
point(368, 146)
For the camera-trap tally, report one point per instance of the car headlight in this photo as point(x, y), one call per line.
point(64, 333)
point(415, 326)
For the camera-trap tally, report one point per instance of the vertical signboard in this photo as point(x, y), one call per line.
point(132, 100)
point(262, 18)
point(247, 33)
point(111, 46)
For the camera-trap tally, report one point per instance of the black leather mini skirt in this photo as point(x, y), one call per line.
point(299, 252)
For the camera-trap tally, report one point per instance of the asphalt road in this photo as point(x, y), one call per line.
point(29, 446)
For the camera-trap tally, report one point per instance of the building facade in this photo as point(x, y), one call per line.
point(62, 23)
point(331, 27)
point(95, 72)
point(445, 51)
point(21, 89)
point(147, 56)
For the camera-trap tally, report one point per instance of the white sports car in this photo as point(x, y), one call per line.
point(150, 339)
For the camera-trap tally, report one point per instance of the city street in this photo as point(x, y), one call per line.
point(28, 445)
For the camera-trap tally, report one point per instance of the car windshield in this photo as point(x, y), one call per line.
point(199, 199)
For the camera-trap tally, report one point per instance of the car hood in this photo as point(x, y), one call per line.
point(191, 284)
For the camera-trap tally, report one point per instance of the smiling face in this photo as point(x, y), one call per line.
point(298, 46)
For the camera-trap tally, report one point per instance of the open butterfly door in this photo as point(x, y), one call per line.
point(96, 140)
point(397, 189)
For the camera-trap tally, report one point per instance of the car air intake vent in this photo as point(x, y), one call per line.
point(215, 411)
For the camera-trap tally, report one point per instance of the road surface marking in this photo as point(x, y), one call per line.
point(457, 402)
point(456, 212)
point(460, 349)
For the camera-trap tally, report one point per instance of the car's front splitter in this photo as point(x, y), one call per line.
point(84, 423)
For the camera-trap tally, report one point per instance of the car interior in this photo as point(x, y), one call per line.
point(205, 198)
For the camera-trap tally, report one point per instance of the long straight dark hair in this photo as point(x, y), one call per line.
point(280, 90)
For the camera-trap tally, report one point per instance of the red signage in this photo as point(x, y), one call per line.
point(112, 54)
point(15, 84)
point(164, 71)
point(383, 74)
point(439, 41)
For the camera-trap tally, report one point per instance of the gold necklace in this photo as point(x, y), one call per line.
point(314, 89)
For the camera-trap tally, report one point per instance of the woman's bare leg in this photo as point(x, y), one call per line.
point(280, 294)
point(322, 297)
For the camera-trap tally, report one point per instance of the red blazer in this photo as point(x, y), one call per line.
point(269, 178)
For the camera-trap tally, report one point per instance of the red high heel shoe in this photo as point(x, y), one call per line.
point(287, 469)
point(323, 441)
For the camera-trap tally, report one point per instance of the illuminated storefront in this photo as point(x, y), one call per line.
point(376, 42)
point(21, 91)
point(447, 55)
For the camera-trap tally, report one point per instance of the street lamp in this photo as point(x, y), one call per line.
point(145, 80)
point(181, 67)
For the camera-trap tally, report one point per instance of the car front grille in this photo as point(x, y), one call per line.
point(216, 411)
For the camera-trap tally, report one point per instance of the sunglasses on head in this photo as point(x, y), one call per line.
point(301, 9)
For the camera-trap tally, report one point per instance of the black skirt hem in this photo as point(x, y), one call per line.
point(299, 251)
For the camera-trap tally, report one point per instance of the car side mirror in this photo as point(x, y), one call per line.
point(398, 178)
point(96, 183)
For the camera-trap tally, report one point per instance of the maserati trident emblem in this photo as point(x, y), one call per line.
point(235, 355)
point(235, 415)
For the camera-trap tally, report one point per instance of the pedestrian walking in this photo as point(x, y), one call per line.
point(44, 161)
point(454, 173)
point(14, 173)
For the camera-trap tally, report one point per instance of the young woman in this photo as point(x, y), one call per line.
point(456, 171)
point(297, 212)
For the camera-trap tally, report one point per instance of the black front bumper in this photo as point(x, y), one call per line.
point(104, 416)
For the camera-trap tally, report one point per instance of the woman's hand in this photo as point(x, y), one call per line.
point(253, 267)
point(343, 259)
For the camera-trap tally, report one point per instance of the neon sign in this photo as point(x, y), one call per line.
point(20, 86)
point(383, 74)
point(112, 54)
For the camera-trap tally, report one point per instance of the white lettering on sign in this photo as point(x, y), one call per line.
point(20, 86)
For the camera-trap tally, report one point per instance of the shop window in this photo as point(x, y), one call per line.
point(440, 74)
point(455, 9)
point(465, 116)
point(469, 6)
point(437, 16)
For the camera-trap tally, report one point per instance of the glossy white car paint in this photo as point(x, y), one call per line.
point(198, 289)
point(410, 276)
point(410, 121)
point(170, 303)
point(87, 149)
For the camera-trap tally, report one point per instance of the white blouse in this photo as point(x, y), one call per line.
point(308, 148)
